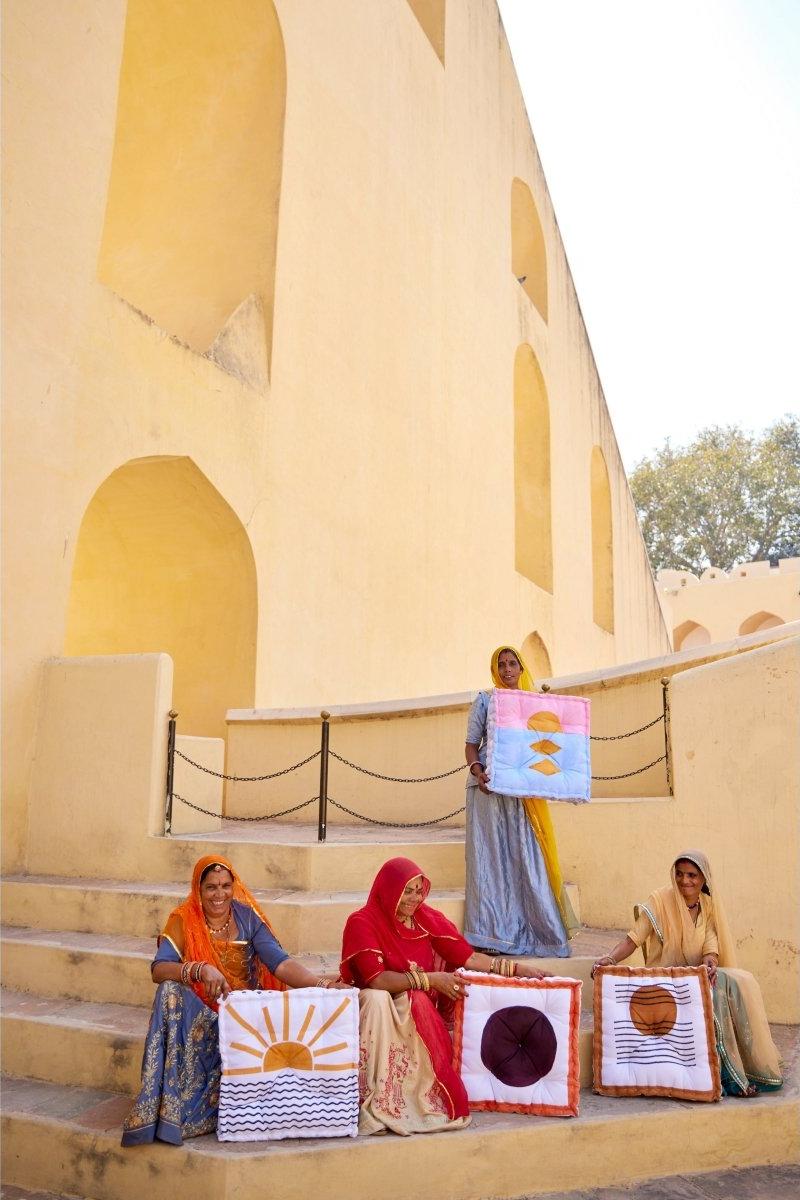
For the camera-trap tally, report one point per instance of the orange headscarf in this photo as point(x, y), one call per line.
point(198, 945)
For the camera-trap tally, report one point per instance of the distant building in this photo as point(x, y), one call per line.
point(720, 605)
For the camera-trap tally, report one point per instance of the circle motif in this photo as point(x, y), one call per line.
point(518, 1045)
point(653, 1010)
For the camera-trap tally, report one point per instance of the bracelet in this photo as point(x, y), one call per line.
point(417, 979)
point(477, 763)
point(185, 971)
point(323, 982)
point(197, 971)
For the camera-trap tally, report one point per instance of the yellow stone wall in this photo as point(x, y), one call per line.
point(264, 255)
point(723, 604)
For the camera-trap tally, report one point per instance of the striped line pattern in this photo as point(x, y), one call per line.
point(288, 1104)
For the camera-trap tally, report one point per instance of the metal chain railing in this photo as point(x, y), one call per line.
point(247, 778)
point(207, 812)
point(627, 774)
point(324, 753)
point(350, 812)
point(395, 778)
point(618, 737)
point(396, 824)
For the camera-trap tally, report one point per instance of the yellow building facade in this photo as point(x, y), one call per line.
point(297, 384)
point(719, 605)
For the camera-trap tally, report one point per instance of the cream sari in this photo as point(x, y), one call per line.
point(669, 938)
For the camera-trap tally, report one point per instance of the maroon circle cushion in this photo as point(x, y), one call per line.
point(518, 1045)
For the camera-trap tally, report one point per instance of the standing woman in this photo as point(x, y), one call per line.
point(216, 942)
point(516, 902)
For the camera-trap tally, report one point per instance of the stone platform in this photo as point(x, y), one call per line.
point(75, 1007)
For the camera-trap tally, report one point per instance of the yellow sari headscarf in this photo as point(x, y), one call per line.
point(537, 809)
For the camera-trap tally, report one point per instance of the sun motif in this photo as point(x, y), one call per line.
point(297, 1052)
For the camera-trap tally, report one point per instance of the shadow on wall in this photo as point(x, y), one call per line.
point(535, 653)
point(690, 635)
point(533, 536)
point(202, 96)
point(164, 564)
point(760, 621)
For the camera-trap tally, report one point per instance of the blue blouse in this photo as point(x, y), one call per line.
point(261, 943)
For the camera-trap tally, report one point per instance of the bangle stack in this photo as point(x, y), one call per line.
point(418, 979)
point(191, 971)
point(503, 966)
point(323, 982)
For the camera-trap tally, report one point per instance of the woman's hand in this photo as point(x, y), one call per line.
point(710, 964)
point(605, 961)
point(336, 981)
point(483, 781)
point(454, 987)
point(523, 971)
point(214, 982)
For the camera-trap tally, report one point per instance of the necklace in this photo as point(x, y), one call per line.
point(220, 931)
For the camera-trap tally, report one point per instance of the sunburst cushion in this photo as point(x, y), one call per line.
point(289, 1064)
point(516, 1044)
point(654, 1033)
point(538, 745)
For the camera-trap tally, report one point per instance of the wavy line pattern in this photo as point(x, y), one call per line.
point(288, 1105)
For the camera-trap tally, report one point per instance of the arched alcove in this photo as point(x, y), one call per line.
point(431, 16)
point(690, 636)
point(533, 537)
point(534, 652)
point(163, 563)
point(602, 543)
point(760, 621)
point(528, 251)
point(192, 213)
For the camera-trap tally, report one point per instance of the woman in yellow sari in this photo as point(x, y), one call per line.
point(684, 924)
point(516, 902)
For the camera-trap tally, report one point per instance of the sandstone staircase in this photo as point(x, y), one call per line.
point(76, 995)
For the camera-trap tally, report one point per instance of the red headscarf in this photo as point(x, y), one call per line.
point(376, 927)
point(198, 945)
point(434, 943)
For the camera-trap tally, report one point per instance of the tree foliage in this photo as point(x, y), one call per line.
point(728, 497)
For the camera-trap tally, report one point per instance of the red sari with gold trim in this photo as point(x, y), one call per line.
point(375, 940)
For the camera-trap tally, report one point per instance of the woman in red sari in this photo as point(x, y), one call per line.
point(402, 954)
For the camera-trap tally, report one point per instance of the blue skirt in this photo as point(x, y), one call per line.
point(179, 1097)
point(510, 905)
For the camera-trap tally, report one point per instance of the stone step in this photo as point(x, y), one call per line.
point(66, 1139)
point(115, 969)
point(301, 919)
point(274, 856)
point(96, 1045)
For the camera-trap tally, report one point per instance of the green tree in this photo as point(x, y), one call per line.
point(726, 498)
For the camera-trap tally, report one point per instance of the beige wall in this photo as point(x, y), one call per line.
point(723, 604)
point(372, 471)
point(97, 790)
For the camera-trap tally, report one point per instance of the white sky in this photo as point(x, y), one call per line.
point(670, 138)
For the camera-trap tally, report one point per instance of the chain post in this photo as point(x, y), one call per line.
point(322, 824)
point(667, 754)
point(173, 716)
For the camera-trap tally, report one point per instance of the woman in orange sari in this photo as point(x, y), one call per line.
point(403, 954)
point(217, 941)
